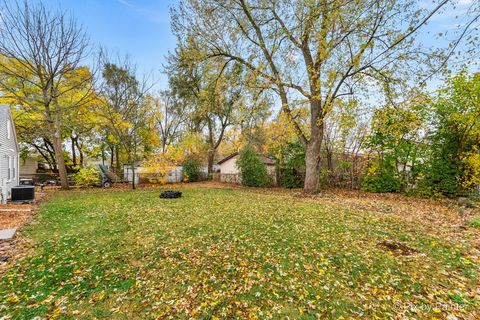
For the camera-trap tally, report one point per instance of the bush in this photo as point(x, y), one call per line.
point(291, 178)
point(440, 178)
point(292, 165)
point(381, 178)
point(323, 179)
point(191, 170)
point(253, 172)
point(87, 176)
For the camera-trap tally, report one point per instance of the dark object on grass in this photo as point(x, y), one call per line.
point(170, 194)
point(396, 248)
point(4, 258)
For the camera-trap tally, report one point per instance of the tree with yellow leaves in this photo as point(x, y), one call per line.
point(41, 52)
point(310, 53)
point(127, 112)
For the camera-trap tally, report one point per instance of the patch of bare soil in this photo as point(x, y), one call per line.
point(396, 248)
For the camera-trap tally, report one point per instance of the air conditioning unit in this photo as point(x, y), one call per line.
point(23, 193)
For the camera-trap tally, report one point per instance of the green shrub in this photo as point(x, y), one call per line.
point(191, 170)
point(292, 165)
point(253, 172)
point(291, 178)
point(380, 178)
point(87, 176)
point(441, 177)
point(324, 178)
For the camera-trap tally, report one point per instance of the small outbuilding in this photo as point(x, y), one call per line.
point(230, 173)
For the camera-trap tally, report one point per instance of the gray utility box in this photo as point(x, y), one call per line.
point(23, 193)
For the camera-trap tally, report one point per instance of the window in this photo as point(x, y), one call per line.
point(14, 165)
point(9, 128)
point(9, 171)
point(11, 165)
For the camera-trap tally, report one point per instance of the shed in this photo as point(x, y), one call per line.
point(230, 173)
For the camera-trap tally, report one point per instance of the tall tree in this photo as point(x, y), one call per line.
point(40, 50)
point(308, 52)
point(214, 89)
point(170, 117)
point(218, 92)
point(454, 162)
point(127, 111)
point(117, 88)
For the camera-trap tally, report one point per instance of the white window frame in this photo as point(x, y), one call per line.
point(9, 129)
point(9, 168)
point(14, 165)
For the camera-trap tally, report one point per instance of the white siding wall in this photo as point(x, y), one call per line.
point(230, 173)
point(28, 167)
point(229, 166)
point(9, 163)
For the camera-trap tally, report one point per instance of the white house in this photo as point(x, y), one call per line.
point(230, 173)
point(9, 152)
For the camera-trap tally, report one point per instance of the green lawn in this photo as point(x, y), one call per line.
point(220, 253)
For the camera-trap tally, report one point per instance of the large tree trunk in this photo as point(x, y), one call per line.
point(133, 175)
point(82, 160)
point(74, 153)
point(312, 163)
point(80, 152)
point(62, 169)
point(211, 159)
point(312, 157)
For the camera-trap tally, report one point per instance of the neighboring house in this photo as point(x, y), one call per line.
point(230, 173)
point(30, 166)
point(9, 153)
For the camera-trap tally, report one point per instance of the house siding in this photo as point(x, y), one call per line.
point(229, 171)
point(8, 153)
point(229, 166)
point(28, 167)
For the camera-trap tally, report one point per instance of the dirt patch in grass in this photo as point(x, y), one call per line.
point(396, 248)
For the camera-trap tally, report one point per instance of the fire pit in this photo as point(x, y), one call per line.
point(169, 194)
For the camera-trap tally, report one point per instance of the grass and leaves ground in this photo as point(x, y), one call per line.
point(235, 253)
